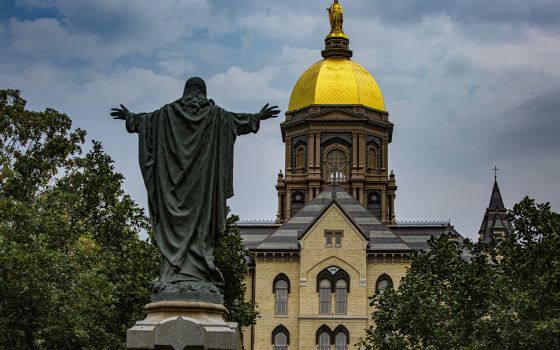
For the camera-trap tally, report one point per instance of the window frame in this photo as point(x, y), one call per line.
point(283, 291)
point(280, 329)
point(325, 297)
point(328, 167)
point(337, 331)
point(338, 239)
point(328, 239)
point(339, 302)
point(381, 278)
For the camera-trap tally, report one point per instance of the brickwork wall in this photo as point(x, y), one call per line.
point(303, 319)
point(265, 273)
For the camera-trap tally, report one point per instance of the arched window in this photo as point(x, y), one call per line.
point(325, 297)
point(300, 158)
point(336, 164)
point(341, 338)
point(383, 282)
point(372, 159)
point(324, 338)
point(324, 341)
point(341, 297)
point(281, 290)
point(280, 338)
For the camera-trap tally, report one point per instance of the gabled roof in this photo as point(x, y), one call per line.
point(379, 236)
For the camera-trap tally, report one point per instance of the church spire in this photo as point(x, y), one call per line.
point(496, 202)
point(495, 220)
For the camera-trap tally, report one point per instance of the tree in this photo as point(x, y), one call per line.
point(230, 255)
point(525, 309)
point(502, 296)
point(74, 273)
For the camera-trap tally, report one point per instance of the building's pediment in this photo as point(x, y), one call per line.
point(337, 114)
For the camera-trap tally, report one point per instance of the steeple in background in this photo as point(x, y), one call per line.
point(495, 220)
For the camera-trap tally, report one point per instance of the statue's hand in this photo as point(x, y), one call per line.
point(269, 112)
point(120, 113)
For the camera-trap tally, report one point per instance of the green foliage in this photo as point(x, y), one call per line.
point(526, 308)
point(230, 255)
point(505, 295)
point(73, 271)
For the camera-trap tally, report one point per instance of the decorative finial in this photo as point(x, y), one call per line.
point(495, 173)
point(336, 17)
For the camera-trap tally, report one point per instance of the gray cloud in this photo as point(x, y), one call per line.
point(469, 85)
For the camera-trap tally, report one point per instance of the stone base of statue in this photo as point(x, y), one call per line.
point(184, 325)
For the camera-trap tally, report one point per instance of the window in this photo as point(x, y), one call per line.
point(324, 341)
point(281, 291)
point(280, 341)
point(325, 297)
point(300, 158)
point(280, 338)
point(328, 239)
point(330, 235)
point(338, 239)
point(341, 341)
point(372, 159)
point(333, 280)
point(374, 203)
point(336, 165)
point(341, 338)
point(341, 297)
point(384, 281)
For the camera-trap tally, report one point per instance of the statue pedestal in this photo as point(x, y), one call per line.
point(184, 325)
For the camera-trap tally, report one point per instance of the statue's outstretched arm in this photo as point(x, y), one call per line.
point(132, 119)
point(269, 112)
point(120, 113)
point(246, 123)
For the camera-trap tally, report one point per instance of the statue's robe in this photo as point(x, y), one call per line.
point(186, 158)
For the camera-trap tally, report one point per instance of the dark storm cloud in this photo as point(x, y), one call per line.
point(545, 13)
point(531, 128)
point(468, 84)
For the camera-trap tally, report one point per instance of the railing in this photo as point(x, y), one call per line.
point(258, 223)
point(439, 223)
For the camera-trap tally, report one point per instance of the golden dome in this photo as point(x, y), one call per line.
point(336, 81)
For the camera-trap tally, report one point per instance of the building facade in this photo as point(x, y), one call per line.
point(335, 241)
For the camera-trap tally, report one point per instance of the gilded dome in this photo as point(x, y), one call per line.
point(336, 81)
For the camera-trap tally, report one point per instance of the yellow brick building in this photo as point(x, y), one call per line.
point(336, 239)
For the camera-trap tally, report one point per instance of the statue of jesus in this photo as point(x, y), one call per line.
point(186, 159)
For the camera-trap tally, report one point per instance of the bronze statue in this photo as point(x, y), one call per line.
point(186, 158)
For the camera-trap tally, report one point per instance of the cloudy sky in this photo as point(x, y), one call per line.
point(469, 84)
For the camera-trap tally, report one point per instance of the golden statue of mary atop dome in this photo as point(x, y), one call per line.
point(336, 17)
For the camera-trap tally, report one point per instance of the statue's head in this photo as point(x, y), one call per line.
point(195, 86)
